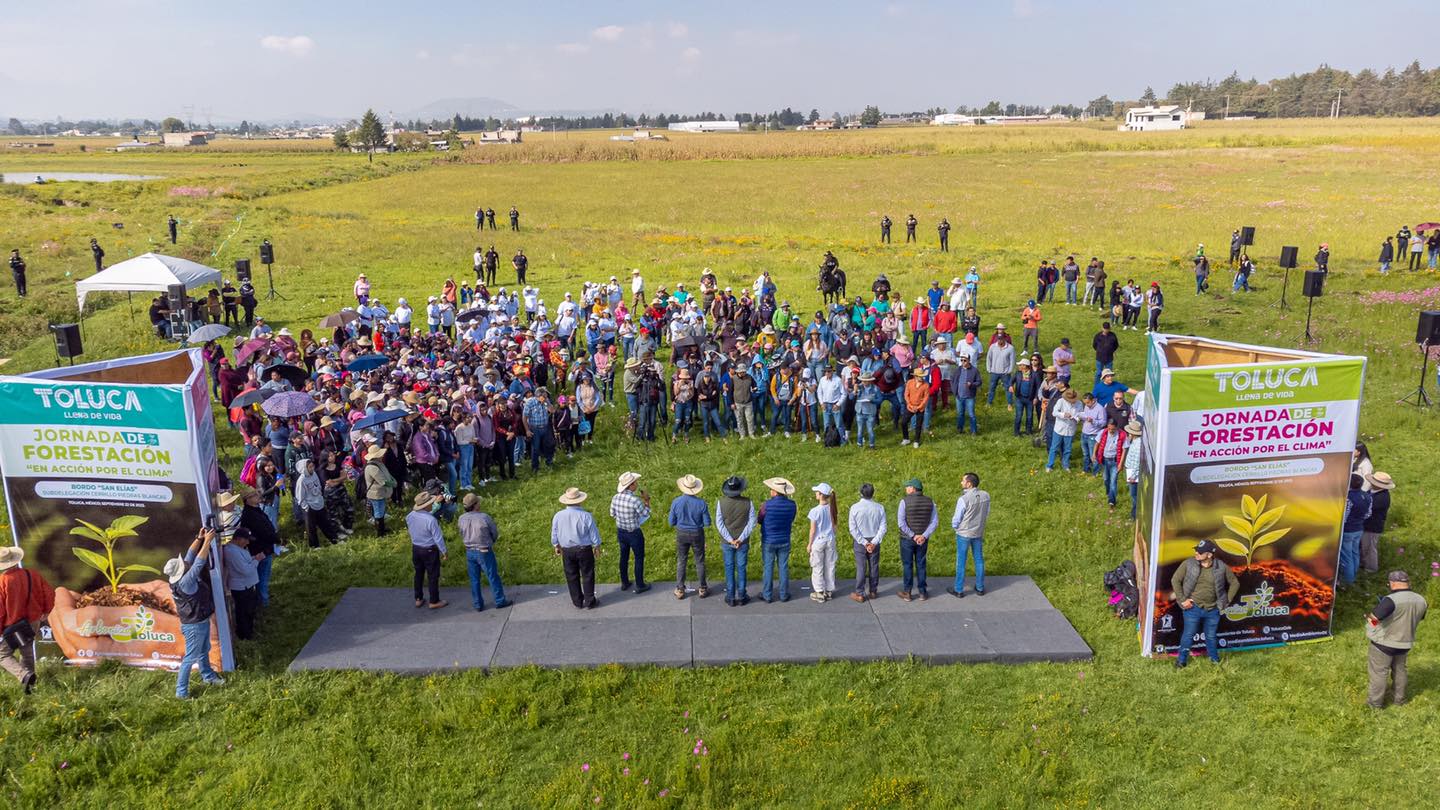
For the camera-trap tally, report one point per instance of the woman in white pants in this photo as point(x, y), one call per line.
point(821, 545)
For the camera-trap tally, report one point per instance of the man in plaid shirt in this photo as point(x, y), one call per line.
point(631, 508)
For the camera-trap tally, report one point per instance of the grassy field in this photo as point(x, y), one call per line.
point(1284, 727)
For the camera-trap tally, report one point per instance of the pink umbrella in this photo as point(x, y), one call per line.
point(249, 348)
point(1427, 226)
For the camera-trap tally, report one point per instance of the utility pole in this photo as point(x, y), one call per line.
point(1335, 108)
point(1227, 106)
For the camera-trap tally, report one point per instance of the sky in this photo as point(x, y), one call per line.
point(275, 60)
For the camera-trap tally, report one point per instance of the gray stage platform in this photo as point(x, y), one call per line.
point(380, 629)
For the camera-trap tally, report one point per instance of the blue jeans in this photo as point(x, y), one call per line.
point(197, 652)
point(1003, 381)
point(452, 472)
point(864, 426)
point(965, 546)
point(1195, 618)
point(684, 414)
point(1071, 296)
point(1349, 556)
point(633, 404)
point(467, 464)
point(476, 563)
point(780, 416)
point(1062, 445)
point(645, 424)
point(1134, 498)
point(272, 511)
point(735, 560)
point(912, 562)
point(262, 569)
point(827, 416)
point(1112, 480)
point(965, 407)
point(710, 416)
point(537, 449)
point(776, 557)
point(629, 542)
point(918, 339)
point(377, 507)
point(1087, 451)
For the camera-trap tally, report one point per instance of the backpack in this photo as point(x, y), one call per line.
point(832, 436)
point(248, 473)
point(1124, 592)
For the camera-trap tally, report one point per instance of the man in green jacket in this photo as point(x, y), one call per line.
point(1203, 588)
point(1391, 630)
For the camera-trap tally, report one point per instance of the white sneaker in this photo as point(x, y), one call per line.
point(817, 438)
point(787, 434)
point(904, 442)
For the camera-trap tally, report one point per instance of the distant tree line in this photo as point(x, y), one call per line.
point(1411, 91)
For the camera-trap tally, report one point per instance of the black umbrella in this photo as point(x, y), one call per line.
point(249, 398)
point(294, 374)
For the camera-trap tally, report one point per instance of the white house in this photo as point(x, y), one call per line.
point(1152, 119)
point(952, 120)
point(705, 126)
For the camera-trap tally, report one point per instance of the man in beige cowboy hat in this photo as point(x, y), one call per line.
point(1380, 485)
point(427, 548)
point(630, 507)
point(25, 600)
point(576, 540)
point(689, 516)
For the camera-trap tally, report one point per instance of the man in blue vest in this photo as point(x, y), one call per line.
point(777, 519)
point(1391, 630)
point(194, 604)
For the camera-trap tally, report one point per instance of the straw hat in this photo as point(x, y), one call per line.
point(375, 453)
point(1070, 395)
point(374, 396)
point(364, 341)
point(573, 497)
point(633, 362)
point(225, 500)
point(10, 556)
point(626, 479)
point(780, 485)
point(423, 500)
point(326, 421)
point(690, 485)
point(1380, 480)
point(1133, 428)
point(999, 327)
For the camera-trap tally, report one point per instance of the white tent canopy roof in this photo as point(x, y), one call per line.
point(150, 272)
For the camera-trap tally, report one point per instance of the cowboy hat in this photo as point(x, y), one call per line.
point(326, 421)
point(633, 362)
point(1133, 428)
point(174, 569)
point(1380, 480)
point(285, 331)
point(1070, 395)
point(10, 556)
point(375, 453)
point(690, 485)
point(225, 500)
point(374, 396)
point(423, 500)
point(733, 486)
point(999, 327)
point(573, 497)
point(626, 479)
point(780, 485)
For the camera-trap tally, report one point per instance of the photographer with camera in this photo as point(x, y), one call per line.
point(25, 600)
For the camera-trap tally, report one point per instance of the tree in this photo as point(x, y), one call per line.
point(1149, 97)
point(172, 124)
point(370, 135)
point(17, 128)
point(993, 108)
point(1101, 107)
point(870, 117)
point(814, 116)
point(452, 141)
point(342, 139)
point(836, 118)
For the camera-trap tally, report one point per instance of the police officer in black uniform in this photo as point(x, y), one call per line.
point(247, 300)
point(490, 217)
point(479, 219)
point(99, 255)
point(521, 265)
point(230, 300)
point(514, 218)
point(17, 270)
point(944, 229)
point(885, 229)
point(492, 264)
point(174, 225)
point(910, 223)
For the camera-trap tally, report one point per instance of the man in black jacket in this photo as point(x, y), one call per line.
point(944, 229)
point(910, 223)
point(174, 225)
point(264, 540)
point(98, 253)
point(1106, 344)
point(514, 218)
point(17, 271)
point(885, 229)
point(492, 263)
point(521, 264)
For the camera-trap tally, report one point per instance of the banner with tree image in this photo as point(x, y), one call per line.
point(108, 471)
point(1252, 449)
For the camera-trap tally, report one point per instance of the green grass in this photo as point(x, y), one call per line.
point(1283, 727)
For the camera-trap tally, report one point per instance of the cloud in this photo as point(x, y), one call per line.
point(607, 33)
point(678, 30)
point(572, 47)
point(1022, 8)
point(691, 54)
point(295, 46)
point(422, 55)
point(894, 10)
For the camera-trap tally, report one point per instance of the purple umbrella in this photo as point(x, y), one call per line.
point(289, 404)
point(249, 348)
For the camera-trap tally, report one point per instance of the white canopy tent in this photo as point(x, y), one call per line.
point(150, 272)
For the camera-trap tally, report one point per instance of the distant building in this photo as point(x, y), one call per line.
point(705, 126)
point(184, 139)
point(501, 136)
point(953, 120)
point(817, 126)
point(137, 144)
point(1152, 119)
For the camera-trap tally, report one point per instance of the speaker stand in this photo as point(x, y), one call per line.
point(1309, 308)
point(272, 295)
point(1282, 304)
point(1418, 397)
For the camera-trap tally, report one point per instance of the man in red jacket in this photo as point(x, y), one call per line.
point(25, 596)
point(919, 324)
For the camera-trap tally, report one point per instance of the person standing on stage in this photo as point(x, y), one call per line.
point(866, 522)
point(576, 540)
point(427, 548)
point(972, 511)
point(916, 518)
point(630, 508)
point(735, 522)
point(689, 516)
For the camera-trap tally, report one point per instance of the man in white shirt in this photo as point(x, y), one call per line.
point(830, 392)
point(637, 289)
point(1062, 435)
point(403, 313)
point(867, 528)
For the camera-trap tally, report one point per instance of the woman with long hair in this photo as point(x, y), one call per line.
point(821, 545)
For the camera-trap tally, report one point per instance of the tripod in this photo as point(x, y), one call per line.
point(1418, 397)
point(1309, 308)
point(272, 295)
point(1282, 305)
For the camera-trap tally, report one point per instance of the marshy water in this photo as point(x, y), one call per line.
point(23, 178)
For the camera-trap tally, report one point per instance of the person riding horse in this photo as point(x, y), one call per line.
point(832, 279)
